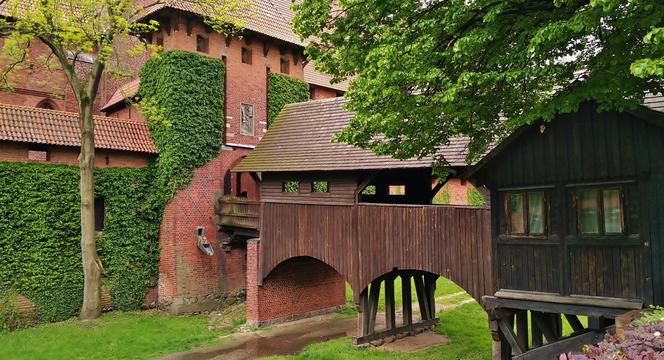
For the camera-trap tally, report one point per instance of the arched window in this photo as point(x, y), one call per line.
point(46, 104)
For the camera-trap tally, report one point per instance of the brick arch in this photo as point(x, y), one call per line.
point(297, 287)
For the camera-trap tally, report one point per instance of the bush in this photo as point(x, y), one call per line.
point(645, 342)
point(9, 316)
point(475, 198)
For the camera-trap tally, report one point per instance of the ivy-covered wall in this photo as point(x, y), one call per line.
point(284, 90)
point(182, 99)
point(40, 236)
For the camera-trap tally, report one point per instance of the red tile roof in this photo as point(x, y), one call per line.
point(41, 126)
point(126, 91)
point(269, 17)
point(300, 140)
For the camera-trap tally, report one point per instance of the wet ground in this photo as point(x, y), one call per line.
point(280, 340)
point(291, 338)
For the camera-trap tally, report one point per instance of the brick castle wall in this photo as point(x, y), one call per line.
point(297, 288)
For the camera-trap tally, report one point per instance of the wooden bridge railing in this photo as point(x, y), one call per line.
point(365, 241)
point(240, 212)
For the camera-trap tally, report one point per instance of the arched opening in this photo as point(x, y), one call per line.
point(47, 104)
point(296, 288)
point(408, 300)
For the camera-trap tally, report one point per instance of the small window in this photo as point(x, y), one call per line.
point(46, 104)
point(369, 190)
point(397, 190)
point(290, 186)
point(320, 186)
point(284, 66)
point(600, 211)
point(100, 214)
point(160, 41)
point(202, 44)
point(246, 55)
point(38, 154)
point(525, 213)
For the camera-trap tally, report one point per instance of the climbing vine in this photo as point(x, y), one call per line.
point(40, 236)
point(182, 98)
point(284, 90)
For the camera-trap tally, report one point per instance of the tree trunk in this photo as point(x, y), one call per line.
point(92, 268)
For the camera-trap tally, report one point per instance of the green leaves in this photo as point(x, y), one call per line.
point(284, 90)
point(428, 71)
point(40, 236)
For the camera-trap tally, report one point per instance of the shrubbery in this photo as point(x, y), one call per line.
point(284, 90)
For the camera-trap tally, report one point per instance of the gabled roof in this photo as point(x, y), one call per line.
point(126, 91)
point(41, 126)
point(269, 17)
point(651, 111)
point(314, 77)
point(300, 140)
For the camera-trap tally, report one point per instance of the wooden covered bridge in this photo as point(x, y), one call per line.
point(574, 229)
point(370, 218)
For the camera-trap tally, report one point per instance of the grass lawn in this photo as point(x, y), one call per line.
point(466, 326)
point(117, 335)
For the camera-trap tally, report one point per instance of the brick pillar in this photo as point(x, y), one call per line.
point(253, 247)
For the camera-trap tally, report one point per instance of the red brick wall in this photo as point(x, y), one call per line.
point(457, 189)
point(18, 152)
point(185, 273)
point(296, 288)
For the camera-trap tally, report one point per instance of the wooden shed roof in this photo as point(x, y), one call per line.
point(300, 140)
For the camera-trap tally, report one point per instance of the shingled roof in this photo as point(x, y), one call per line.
point(126, 91)
point(314, 77)
point(269, 17)
point(300, 140)
point(41, 126)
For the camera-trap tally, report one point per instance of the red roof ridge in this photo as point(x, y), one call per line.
point(66, 113)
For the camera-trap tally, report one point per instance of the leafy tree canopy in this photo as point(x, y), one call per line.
point(428, 70)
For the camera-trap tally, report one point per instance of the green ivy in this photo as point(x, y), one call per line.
point(40, 236)
point(284, 90)
point(475, 198)
point(182, 98)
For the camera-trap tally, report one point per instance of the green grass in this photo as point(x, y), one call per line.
point(117, 335)
point(466, 326)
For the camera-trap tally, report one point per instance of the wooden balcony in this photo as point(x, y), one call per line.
point(239, 213)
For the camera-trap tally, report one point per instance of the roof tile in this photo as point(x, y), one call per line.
point(41, 126)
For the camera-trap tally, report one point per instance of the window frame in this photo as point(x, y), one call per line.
point(601, 223)
point(206, 38)
point(526, 213)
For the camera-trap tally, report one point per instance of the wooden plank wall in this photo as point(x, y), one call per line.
point(342, 188)
point(365, 241)
point(575, 149)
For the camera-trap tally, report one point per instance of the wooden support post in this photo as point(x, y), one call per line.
point(506, 324)
point(557, 320)
point(522, 329)
point(574, 322)
point(407, 301)
point(421, 297)
point(363, 316)
point(374, 294)
point(390, 316)
point(536, 332)
point(545, 326)
point(430, 289)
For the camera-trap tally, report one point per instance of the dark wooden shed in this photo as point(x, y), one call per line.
point(577, 222)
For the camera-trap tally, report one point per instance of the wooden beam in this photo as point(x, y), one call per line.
point(507, 331)
point(421, 297)
point(551, 351)
point(574, 322)
point(522, 329)
point(374, 295)
point(545, 326)
point(572, 300)
point(430, 289)
point(492, 302)
point(390, 315)
point(406, 299)
point(393, 332)
point(536, 332)
point(363, 329)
